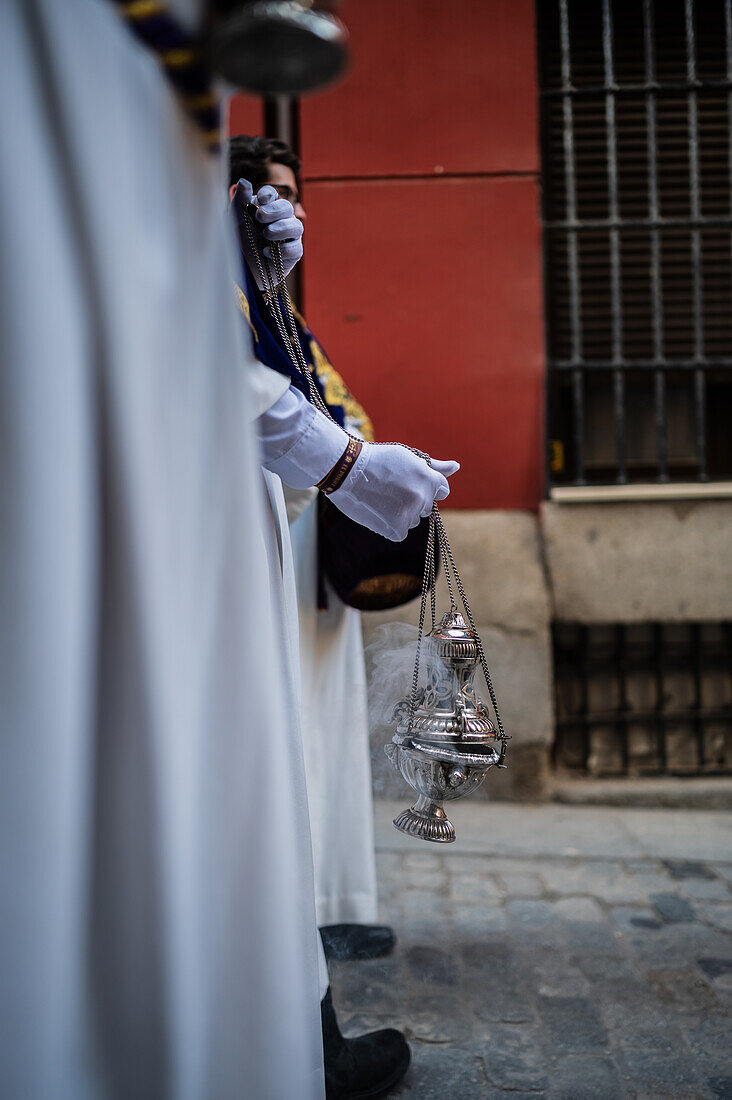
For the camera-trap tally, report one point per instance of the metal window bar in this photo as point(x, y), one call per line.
point(586, 320)
point(695, 202)
point(572, 256)
point(659, 378)
point(614, 215)
point(659, 727)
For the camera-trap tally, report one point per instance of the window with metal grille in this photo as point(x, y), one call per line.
point(643, 699)
point(636, 113)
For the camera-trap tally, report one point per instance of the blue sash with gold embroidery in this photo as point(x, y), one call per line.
point(343, 406)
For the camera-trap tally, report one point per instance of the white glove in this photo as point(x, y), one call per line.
point(390, 489)
point(277, 219)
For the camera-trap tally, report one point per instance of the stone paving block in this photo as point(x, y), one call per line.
point(622, 886)
point(603, 968)
point(533, 913)
point(471, 921)
point(635, 1018)
point(502, 991)
point(585, 1077)
point(474, 887)
point(667, 945)
point(553, 975)
point(629, 920)
point(485, 961)
point(426, 861)
point(514, 1059)
point(684, 987)
point(435, 1019)
point(646, 1070)
point(653, 882)
point(641, 864)
point(439, 1072)
point(505, 1005)
point(586, 925)
point(720, 1087)
point(434, 882)
point(533, 933)
point(690, 939)
point(708, 1037)
point(724, 870)
point(672, 907)
point(426, 916)
point(418, 905)
point(498, 865)
point(390, 910)
point(521, 884)
point(572, 1024)
point(430, 965)
point(688, 868)
point(609, 881)
point(388, 862)
point(718, 970)
point(715, 889)
point(718, 914)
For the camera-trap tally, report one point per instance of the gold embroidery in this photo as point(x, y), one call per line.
point(337, 393)
point(244, 307)
point(177, 58)
point(142, 9)
point(335, 390)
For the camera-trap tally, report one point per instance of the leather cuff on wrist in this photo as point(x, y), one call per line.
point(338, 474)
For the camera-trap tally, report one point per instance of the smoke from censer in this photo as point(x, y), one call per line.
point(390, 667)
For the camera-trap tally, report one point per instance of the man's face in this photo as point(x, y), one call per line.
point(283, 179)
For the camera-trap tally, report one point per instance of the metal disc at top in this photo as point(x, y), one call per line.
point(278, 47)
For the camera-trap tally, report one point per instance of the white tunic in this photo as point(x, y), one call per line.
point(157, 923)
point(336, 741)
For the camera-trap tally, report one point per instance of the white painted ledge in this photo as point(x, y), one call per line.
point(679, 490)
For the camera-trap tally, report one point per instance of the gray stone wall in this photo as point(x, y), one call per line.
point(591, 563)
point(634, 562)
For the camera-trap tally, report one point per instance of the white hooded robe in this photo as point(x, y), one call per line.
point(157, 931)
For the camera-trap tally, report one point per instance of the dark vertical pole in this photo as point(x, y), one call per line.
point(654, 212)
point(570, 202)
point(696, 269)
point(282, 121)
point(616, 306)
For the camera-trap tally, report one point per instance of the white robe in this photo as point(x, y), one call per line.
point(336, 741)
point(157, 932)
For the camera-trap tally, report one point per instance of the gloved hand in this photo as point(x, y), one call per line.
point(390, 489)
point(277, 222)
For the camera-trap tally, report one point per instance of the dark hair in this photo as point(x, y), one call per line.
point(250, 157)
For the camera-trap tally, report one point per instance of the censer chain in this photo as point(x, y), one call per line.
point(273, 287)
point(436, 532)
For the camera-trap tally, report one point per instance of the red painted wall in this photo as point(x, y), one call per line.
point(423, 249)
point(246, 115)
point(422, 271)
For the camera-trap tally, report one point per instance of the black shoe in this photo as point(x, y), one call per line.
point(364, 1067)
point(357, 941)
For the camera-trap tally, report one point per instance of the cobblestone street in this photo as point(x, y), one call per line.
point(561, 952)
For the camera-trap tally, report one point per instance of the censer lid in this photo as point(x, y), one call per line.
point(452, 637)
